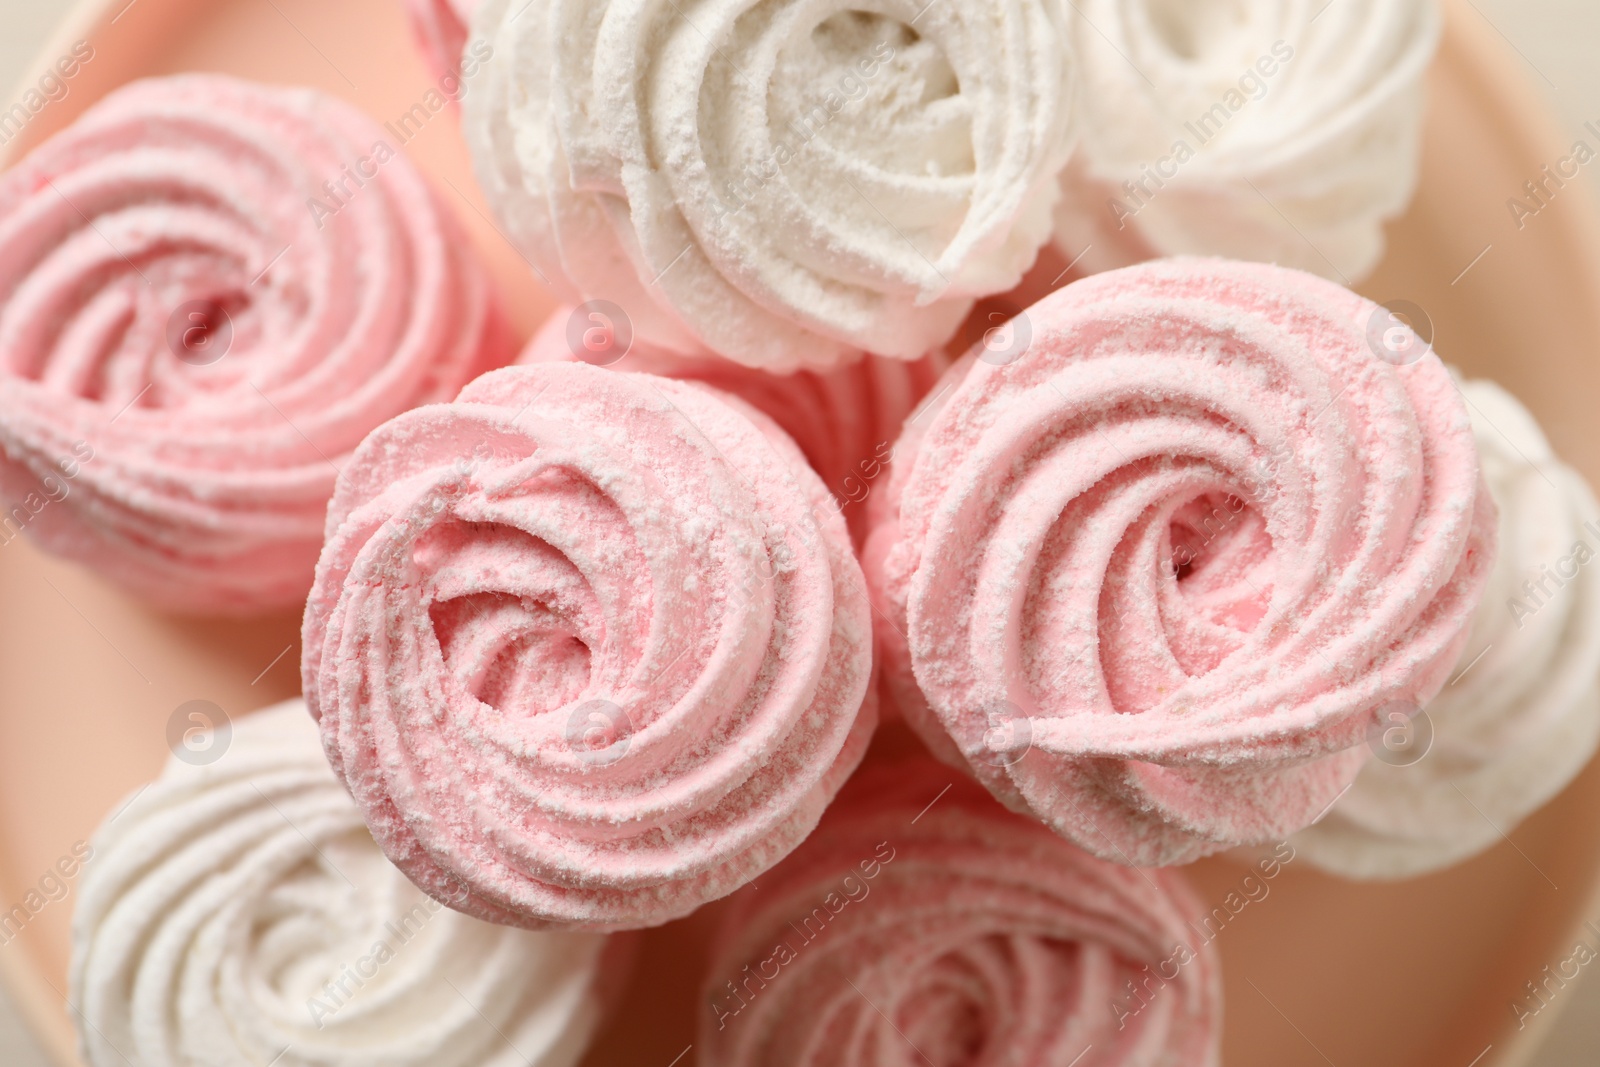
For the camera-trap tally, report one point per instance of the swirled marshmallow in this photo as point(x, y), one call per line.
point(592, 645)
point(1521, 717)
point(923, 923)
point(238, 912)
point(784, 183)
point(1153, 579)
point(845, 420)
point(215, 289)
point(1281, 132)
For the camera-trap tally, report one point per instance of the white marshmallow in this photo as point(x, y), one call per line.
point(1522, 715)
point(785, 183)
point(233, 913)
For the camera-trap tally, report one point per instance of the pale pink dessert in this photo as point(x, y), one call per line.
point(923, 923)
point(210, 292)
point(589, 649)
point(442, 28)
point(845, 420)
point(1154, 579)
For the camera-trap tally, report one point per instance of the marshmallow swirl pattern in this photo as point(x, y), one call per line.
point(1280, 132)
point(1522, 716)
point(845, 420)
point(784, 183)
point(591, 644)
point(1157, 576)
point(182, 296)
point(239, 911)
point(924, 926)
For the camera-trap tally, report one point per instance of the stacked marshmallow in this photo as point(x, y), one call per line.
point(590, 646)
point(923, 923)
point(1279, 132)
point(1152, 580)
point(211, 291)
point(782, 183)
point(239, 912)
point(1522, 716)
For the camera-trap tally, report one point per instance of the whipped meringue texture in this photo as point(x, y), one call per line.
point(1278, 132)
point(238, 912)
point(590, 646)
point(784, 183)
point(217, 289)
point(1522, 715)
point(923, 923)
point(1151, 580)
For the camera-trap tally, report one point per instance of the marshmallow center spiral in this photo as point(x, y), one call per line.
point(180, 290)
point(783, 182)
point(593, 644)
point(1183, 547)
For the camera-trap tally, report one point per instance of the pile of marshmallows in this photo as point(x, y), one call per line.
point(601, 632)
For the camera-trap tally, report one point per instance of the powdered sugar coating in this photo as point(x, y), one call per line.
point(784, 183)
point(1329, 507)
point(593, 644)
point(211, 473)
point(846, 420)
point(234, 913)
point(920, 925)
point(1521, 717)
point(1279, 132)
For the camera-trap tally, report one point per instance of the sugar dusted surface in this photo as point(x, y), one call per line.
point(591, 644)
point(1281, 133)
point(207, 478)
point(924, 923)
point(785, 184)
point(230, 914)
point(1521, 716)
point(1226, 420)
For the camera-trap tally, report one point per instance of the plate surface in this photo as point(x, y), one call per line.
point(1421, 974)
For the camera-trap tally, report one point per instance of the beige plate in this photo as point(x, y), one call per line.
point(1417, 974)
